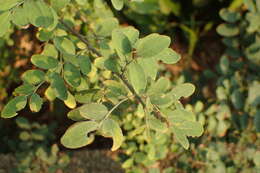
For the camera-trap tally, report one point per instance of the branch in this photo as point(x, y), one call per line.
point(130, 88)
point(95, 51)
point(120, 76)
point(81, 37)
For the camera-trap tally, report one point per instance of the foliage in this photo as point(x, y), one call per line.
point(31, 148)
point(241, 36)
point(115, 82)
point(68, 67)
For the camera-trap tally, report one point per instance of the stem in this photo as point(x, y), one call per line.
point(120, 76)
point(111, 110)
point(95, 51)
point(81, 37)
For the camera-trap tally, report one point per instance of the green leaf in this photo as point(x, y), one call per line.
point(183, 123)
point(168, 56)
point(84, 64)
point(93, 111)
point(5, 24)
point(131, 33)
point(19, 17)
point(39, 13)
point(76, 136)
point(237, 99)
point(118, 4)
point(162, 100)
point(23, 123)
point(58, 86)
point(70, 102)
point(75, 115)
point(229, 16)
point(13, 106)
point(59, 4)
point(137, 77)
point(152, 45)
point(116, 88)
point(156, 124)
point(181, 137)
point(50, 50)
point(65, 45)
point(86, 96)
point(25, 89)
point(227, 30)
point(160, 86)
point(257, 121)
point(72, 75)
point(150, 65)
point(183, 90)
point(121, 43)
point(33, 77)
point(44, 62)
point(35, 103)
point(104, 27)
point(112, 129)
point(8, 4)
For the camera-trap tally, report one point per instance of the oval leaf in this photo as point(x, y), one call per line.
point(35, 103)
point(13, 106)
point(72, 75)
point(112, 129)
point(33, 77)
point(44, 62)
point(93, 111)
point(76, 135)
point(152, 45)
point(137, 77)
point(65, 45)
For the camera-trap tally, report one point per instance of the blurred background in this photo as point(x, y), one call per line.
point(219, 41)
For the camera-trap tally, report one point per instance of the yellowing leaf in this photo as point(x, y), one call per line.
point(35, 103)
point(76, 136)
point(112, 129)
point(13, 106)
